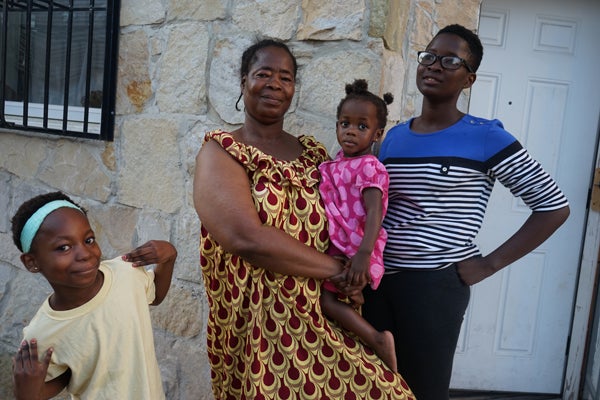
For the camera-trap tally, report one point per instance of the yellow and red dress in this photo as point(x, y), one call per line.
point(267, 337)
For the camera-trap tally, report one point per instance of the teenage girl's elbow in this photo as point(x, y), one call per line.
point(556, 217)
point(565, 212)
point(561, 215)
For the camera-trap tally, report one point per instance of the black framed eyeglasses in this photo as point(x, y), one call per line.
point(447, 62)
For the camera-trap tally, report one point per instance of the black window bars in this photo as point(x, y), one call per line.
point(58, 66)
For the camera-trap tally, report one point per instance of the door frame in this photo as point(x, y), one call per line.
point(588, 274)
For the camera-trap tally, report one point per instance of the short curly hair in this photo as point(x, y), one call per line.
point(473, 41)
point(28, 208)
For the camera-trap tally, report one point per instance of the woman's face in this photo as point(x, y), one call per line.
point(269, 86)
point(434, 81)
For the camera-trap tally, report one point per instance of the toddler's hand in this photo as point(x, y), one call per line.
point(358, 275)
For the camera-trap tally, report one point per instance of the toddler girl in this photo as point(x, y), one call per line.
point(354, 189)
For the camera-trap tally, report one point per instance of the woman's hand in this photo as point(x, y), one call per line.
point(341, 281)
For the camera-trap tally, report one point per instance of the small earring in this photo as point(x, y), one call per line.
point(35, 269)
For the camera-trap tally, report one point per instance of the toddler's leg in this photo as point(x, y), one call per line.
point(382, 343)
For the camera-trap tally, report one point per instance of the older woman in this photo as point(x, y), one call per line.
point(263, 236)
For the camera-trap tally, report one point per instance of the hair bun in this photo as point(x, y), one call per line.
point(358, 86)
point(388, 98)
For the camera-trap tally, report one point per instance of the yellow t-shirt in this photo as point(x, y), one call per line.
point(107, 342)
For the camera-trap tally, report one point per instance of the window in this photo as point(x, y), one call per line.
point(58, 66)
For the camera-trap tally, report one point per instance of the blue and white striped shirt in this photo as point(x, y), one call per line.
point(440, 184)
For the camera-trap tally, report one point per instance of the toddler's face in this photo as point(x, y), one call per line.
point(357, 127)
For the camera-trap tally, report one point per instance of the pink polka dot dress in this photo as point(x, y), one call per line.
point(342, 183)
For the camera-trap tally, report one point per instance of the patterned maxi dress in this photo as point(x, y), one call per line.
point(266, 335)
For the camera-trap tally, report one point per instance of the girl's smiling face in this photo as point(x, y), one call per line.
point(65, 251)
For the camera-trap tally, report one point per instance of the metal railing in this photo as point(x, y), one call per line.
point(36, 95)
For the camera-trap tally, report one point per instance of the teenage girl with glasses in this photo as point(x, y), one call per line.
point(442, 166)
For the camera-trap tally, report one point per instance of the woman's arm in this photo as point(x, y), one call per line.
point(224, 204)
point(536, 229)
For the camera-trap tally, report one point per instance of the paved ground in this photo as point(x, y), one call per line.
point(467, 395)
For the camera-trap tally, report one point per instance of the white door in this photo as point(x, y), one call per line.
point(540, 76)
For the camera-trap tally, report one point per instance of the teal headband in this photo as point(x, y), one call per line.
point(35, 221)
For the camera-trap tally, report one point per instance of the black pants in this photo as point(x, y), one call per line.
point(424, 310)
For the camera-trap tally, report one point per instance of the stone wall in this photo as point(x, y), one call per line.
point(179, 78)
